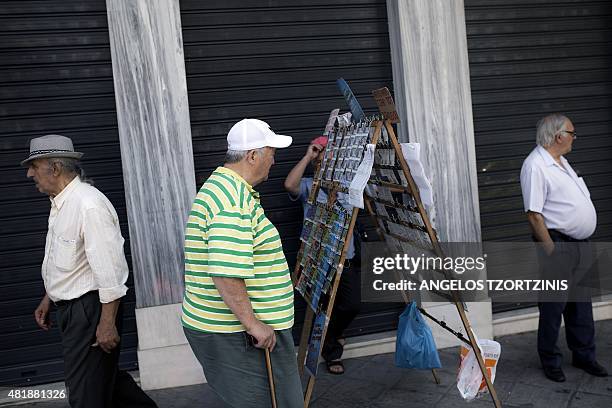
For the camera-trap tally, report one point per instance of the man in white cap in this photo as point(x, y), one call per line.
point(84, 272)
point(238, 292)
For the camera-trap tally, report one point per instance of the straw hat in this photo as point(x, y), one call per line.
point(51, 146)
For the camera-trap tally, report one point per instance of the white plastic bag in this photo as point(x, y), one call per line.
point(470, 381)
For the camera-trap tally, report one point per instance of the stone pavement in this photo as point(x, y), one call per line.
point(375, 382)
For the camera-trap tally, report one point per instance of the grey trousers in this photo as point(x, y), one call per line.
point(236, 370)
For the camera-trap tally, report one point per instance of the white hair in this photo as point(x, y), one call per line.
point(234, 156)
point(548, 127)
point(70, 166)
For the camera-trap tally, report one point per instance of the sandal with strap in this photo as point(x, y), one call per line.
point(335, 367)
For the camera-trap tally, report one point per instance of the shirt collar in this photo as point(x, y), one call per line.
point(59, 199)
point(547, 157)
point(238, 178)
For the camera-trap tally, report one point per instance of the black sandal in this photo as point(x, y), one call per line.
point(335, 363)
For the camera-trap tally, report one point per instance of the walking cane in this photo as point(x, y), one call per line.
point(270, 378)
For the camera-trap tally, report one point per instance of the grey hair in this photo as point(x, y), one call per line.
point(234, 156)
point(548, 127)
point(70, 166)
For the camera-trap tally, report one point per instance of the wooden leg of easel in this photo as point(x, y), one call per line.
point(473, 342)
point(435, 376)
point(309, 390)
point(304, 339)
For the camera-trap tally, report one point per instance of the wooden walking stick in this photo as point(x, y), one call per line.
point(270, 378)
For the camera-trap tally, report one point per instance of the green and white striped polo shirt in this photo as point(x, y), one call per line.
point(228, 235)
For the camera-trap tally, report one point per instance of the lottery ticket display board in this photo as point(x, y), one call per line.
point(394, 206)
point(343, 154)
point(392, 199)
point(323, 236)
point(326, 233)
point(327, 226)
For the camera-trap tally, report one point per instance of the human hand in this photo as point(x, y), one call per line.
point(264, 336)
point(549, 247)
point(41, 314)
point(313, 151)
point(107, 336)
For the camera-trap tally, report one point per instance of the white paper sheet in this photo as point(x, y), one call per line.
point(360, 180)
point(412, 154)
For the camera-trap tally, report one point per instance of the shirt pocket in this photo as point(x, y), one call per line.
point(65, 253)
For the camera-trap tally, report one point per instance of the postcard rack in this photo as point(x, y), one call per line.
point(328, 229)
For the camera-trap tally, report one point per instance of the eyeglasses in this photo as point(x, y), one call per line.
point(571, 132)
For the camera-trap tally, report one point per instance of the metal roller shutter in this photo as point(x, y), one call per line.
point(56, 77)
point(529, 58)
point(279, 61)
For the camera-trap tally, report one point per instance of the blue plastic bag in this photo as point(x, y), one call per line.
point(415, 346)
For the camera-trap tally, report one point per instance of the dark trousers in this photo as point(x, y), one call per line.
point(578, 316)
point(92, 377)
point(346, 307)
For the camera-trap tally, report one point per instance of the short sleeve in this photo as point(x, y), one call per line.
point(533, 186)
point(230, 245)
point(305, 186)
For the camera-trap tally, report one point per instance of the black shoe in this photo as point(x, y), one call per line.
point(592, 367)
point(555, 374)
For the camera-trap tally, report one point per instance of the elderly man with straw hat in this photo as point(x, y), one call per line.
point(84, 271)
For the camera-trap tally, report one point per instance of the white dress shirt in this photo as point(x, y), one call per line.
point(558, 194)
point(84, 248)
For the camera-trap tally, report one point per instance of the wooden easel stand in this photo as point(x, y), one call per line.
point(411, 189)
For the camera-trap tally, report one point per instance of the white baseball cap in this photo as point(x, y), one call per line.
point(249, 134)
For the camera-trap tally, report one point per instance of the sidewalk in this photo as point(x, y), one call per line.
point(375, 382)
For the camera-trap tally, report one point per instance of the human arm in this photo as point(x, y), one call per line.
point(535, 189)
point(230, 256)
point(234, 294)
point(540, 232)
point(292, 182)
point(104, 250)
point(41, 314)
point(107, 336)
